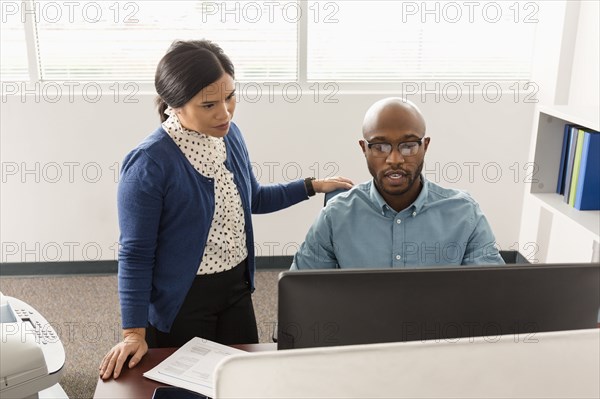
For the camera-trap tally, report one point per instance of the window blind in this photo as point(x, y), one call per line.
point(387, 40)
point(124, 41)
point(346, 40)
point(13, 50)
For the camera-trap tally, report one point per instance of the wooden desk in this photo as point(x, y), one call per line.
point(132, 384)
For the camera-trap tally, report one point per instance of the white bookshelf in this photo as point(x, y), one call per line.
point(560, 232)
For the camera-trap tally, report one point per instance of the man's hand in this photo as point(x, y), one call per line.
point(134, 343)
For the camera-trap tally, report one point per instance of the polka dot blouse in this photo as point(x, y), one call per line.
point(226, 244)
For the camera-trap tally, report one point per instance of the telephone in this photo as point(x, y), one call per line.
point(31, 353)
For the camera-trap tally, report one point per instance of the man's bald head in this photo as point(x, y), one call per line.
point(393, 113)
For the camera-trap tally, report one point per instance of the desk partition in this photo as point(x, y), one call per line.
point(543, 365)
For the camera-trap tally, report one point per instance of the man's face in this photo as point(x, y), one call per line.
point(395, 174)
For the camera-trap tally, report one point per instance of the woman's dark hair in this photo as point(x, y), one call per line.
point(187, 68)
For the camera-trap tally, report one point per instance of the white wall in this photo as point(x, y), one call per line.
point(572, 81)
point(585, 78)
point(56, 207)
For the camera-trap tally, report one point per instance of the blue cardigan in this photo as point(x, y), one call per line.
point(165, 212)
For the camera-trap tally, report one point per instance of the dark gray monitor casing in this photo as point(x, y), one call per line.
point(350, 306)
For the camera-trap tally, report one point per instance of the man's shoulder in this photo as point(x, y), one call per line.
point(359, 194)
point(439, 193)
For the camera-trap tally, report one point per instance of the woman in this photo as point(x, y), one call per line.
point(185, 199)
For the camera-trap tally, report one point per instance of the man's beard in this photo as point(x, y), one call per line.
point(412, 179)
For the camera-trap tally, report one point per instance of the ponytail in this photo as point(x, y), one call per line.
point(162, 107)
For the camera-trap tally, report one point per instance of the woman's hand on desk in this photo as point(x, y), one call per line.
point(134, 343)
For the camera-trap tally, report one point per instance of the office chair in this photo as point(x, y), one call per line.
point(332, 194)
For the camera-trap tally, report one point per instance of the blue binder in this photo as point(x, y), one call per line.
point(587, 196)
point(560, 184)
point(570, 161)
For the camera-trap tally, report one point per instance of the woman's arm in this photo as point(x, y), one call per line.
point(139, 203)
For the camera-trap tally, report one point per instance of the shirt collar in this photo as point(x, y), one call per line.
point(377, 199)
point(173, 125)
point(415, 207)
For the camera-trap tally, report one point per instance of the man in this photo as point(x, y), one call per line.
point(399, 219)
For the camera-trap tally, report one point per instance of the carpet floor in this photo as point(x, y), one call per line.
point(84, 311)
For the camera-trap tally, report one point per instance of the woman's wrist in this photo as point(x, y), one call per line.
point(128, 332)
point(308, 185)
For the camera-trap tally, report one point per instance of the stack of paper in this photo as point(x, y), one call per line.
point(192, 366)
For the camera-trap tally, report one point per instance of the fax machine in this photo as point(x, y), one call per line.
point(31, 354)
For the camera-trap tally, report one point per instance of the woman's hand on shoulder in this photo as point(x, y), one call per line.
point(134, 343)
point(331, 184)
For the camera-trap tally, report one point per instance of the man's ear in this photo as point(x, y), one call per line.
point(363, 146)
point(426, 143)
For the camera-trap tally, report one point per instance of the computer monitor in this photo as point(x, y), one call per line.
point(350, 306)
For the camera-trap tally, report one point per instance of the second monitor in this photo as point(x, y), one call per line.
point(345, 307)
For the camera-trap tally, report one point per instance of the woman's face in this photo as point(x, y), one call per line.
point(211, 110)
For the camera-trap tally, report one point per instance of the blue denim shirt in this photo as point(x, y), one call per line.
point(357, 229)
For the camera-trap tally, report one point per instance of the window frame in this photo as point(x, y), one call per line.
point(324, 87)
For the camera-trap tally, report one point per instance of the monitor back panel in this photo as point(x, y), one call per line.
point(346, 307)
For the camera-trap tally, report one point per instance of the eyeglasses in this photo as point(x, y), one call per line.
point(406, 149)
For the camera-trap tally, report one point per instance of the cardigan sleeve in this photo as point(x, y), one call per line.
point(273, 197)
point(139, 203)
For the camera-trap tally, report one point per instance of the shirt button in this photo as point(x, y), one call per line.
point(398, 221)
point(414, 214)
point(398, 257)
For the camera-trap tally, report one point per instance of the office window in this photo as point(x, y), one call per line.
point(355, 41)
point(441, 40)
point(13, 50)
point(125, 40)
